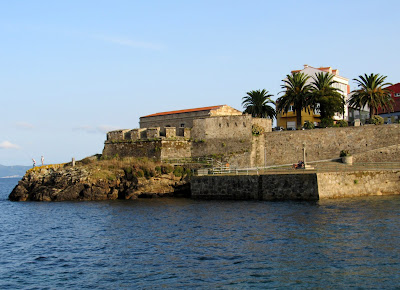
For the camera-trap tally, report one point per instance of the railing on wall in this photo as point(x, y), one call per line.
point(288, 168)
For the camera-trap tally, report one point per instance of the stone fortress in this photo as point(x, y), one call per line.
point(225, 134)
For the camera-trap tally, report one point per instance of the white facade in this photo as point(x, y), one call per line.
point(342, 84)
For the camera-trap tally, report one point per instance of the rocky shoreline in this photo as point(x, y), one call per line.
point(90, 183)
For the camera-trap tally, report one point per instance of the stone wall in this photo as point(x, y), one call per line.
point(358, 183)
point(386, 154)
point(305, 186)
point(227, 136)
point(175, 149)
point(230, 139)
point(157, 149)
point(257, 187)
point(150, 149)
point(286, 147)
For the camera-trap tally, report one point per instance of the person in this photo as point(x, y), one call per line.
point(34, 162)
point(42, 159)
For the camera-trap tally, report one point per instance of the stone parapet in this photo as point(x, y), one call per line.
point(170, 132)
point(153, 133)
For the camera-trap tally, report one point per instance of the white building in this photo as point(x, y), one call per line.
point(342, 84)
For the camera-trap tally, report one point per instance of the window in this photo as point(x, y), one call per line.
point(182, 125)
point(291, 108)
point(317, 110)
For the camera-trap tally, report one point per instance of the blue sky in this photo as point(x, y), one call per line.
point(72, 70)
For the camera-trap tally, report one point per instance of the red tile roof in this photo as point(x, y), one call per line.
point(183, 111)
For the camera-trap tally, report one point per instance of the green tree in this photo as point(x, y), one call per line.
point(257, 103)
point(372, 91)
point(297, 93)
point(329, 98)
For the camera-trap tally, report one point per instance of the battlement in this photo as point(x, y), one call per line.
point(148, 134)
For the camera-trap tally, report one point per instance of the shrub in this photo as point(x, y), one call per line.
point(376, 120)
point(308, 125)
point(166, 169)
point(148, 172)
point(342, 123)
point(326, 122)
point(187, 172)
point(178, 171)
point(140, 173)
point(257, 130)
point(158, 169)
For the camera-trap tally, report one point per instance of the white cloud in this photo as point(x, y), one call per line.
point(105, 128)
point(96, 130)
point(24, 125)
point(8, 145)
point(129, 42)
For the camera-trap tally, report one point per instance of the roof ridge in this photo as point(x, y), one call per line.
point(183, 111)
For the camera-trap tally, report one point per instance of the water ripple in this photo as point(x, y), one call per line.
point(182, 243)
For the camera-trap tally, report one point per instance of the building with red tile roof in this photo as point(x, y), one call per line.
point(394, 115)
point(184, 118)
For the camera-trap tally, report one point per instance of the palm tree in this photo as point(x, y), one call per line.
point(256, 104)
point(296, 94)
point(329, 98)
point(372, 91)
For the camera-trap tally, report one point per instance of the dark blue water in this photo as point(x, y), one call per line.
point(182, 243)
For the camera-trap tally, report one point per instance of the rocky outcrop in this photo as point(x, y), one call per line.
point(78, 183)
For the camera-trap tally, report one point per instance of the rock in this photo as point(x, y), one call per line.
point(76, 183)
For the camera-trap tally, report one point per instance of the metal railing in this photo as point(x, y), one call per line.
point(315, 167)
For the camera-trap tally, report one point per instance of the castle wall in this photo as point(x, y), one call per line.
point(230, 139)
point(218, 136)
point(230, 136)
point(285, 147)
point(150, 149)
point(175, 149)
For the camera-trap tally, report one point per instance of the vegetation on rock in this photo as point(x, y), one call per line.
point(100, 179)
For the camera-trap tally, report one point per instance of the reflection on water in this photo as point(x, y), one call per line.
point(186, 243)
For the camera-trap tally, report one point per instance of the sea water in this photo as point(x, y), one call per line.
point(184, 243)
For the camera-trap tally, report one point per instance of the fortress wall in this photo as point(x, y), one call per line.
point(151, 149)
point(175, 149)
point(286, 147)
point(228, 135)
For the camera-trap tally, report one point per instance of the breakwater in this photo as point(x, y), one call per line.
point(304, 186)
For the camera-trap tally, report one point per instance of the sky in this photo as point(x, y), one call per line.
point(72, 70)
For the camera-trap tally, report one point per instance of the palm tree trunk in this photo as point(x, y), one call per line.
point(298, 118)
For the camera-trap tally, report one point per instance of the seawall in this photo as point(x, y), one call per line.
point(304, 186)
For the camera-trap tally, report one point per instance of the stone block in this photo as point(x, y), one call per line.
point(170, 132)
point(153, 133)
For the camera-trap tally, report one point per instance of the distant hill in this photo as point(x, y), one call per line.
point(13, 171)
